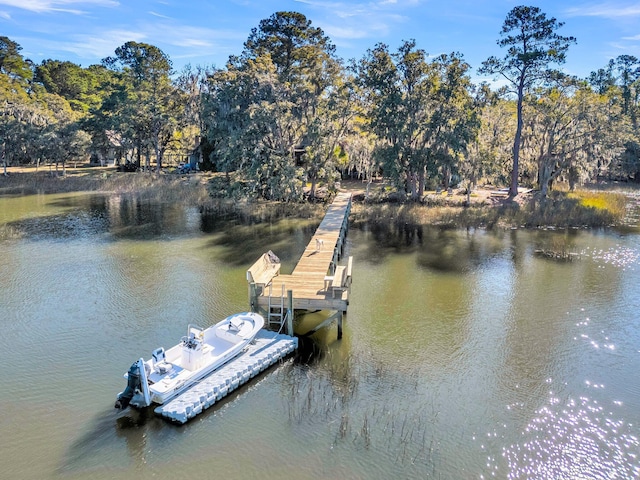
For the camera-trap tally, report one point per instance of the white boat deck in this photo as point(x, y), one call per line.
point(268, 348)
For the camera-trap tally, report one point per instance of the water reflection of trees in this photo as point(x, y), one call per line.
point(244, 233)
point(133, 218)
point(439, 248)
point(121, 216)
point(244, 238)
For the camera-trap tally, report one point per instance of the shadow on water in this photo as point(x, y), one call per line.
point(392, 238)
point(310, 351)
point(13, 192)
point(439, 248)
point(243, 243)
point(101, 444)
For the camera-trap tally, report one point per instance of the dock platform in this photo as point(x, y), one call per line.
point(267, 348)
point(313, 280)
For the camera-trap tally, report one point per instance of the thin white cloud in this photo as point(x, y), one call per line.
point(633, 38)
point(401, 3)
point(191, 43)
point(202, 43)
point(345, 33)
point(100, 44)
point(370, 5)
point(5, 15)
point(606, 10)
point(344, 21)
point(91, 48)
point(159, 15)
point(189, 36)
point(185, 41)
point(616, 46)
point(46, 6)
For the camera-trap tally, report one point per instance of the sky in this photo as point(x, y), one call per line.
point(205, 33)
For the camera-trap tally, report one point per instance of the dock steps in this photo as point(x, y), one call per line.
point(268, 348)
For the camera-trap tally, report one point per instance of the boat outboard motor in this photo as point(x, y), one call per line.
point(133, 382)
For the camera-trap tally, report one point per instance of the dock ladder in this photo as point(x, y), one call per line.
point(276, 310)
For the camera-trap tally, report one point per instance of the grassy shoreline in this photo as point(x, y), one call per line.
point(489, 208)
point(486, 209)
point(560, 210)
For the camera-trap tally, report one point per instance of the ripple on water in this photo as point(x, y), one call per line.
point(579, 438)
point(619, 256)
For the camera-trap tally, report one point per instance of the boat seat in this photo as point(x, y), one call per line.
point(235, 326)
point(158, 355)
point(160, 364)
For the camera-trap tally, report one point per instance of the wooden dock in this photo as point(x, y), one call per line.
point(317, 282)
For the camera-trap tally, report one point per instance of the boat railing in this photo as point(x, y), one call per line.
point(196, 330)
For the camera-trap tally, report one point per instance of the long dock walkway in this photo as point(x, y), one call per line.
point(311, 281)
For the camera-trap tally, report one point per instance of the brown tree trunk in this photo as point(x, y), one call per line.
point(413, 187)
point(312, 191)
point(513, 188)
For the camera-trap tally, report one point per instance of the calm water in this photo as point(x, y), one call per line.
point(464, 355)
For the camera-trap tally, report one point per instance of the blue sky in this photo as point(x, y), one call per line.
point(199, 32)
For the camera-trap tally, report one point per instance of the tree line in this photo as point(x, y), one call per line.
point(286, 116)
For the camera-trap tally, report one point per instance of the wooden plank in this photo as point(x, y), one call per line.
point(263, 270)
point(349, 271)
